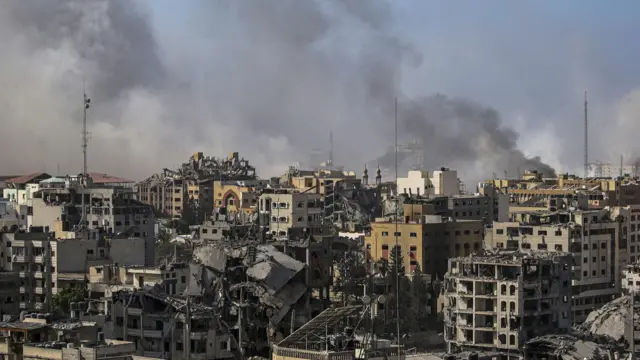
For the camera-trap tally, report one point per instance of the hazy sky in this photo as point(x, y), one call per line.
point(271, 80)
point(531, 60)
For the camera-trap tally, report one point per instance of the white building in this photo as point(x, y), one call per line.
point(608, 170)
point(443, 182)
point(631, 278)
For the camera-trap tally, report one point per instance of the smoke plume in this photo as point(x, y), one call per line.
point(267, 79)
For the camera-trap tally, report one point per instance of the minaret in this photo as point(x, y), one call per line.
point(365, 176)
point(378, 176)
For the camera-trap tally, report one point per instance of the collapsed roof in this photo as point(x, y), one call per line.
point(201, 167)
point(261, 270)
point(612, 319)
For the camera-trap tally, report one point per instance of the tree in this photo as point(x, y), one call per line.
point(396, 259)
point(60, 301)
point(352, 277)
point(421, 299)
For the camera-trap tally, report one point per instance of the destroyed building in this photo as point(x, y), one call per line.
point(112, 210)
point(262, 293)
point(500, 300)
point(192, 184)
point(175, 327)
point(616, 321)
point(595, 238)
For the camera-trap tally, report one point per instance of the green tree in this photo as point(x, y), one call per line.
point(381, 267)
point(352, 277)
point(60, 301)
point(421, 300)
point(396, 259)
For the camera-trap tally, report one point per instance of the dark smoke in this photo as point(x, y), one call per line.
point(270, 79)
point(459, 133)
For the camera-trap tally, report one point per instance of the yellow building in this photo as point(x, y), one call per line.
point(316, 181)
point(236, 196)
point(428, 242)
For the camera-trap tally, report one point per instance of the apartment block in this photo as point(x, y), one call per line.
point(104, 281)
point(442, 182)
point(200, 181)
point(426, 241)
point(499, 300)
point(114, 210)
point(596, 240)
point(45, 265)
point(287, 213)
point(168, 327)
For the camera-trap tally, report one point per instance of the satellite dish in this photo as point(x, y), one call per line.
point(366, 300)
point(382, 299)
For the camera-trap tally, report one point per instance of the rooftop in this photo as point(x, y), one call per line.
point(26, 178)
point(99, 178)
point(509, 256)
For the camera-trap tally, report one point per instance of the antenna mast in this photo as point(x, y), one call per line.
point(85, 134)
point(396, 248)
point(331, 148)
point(586, 139)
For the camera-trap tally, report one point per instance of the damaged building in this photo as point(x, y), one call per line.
point(262, 293)
point(175, 327)
point(171, 191)
point(78, 205)
point(500, 300)
point(595, 238)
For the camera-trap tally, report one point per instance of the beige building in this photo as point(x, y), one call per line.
point(111, 210)
point(292, 213)
point(316, 181)
point(106, 280)
point(426, 241)
point(45, 265)
point(498, 301)
point(593, 237)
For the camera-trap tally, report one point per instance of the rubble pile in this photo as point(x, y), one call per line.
point(201, 167)
point(611, 319)
point(256, 279)
point(571, 347)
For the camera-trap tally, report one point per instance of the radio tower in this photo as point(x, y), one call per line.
point(586, 140)
point(85, 134)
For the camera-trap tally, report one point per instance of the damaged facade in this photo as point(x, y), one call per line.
point(171, 191)
point(265, 293)
point(500, 300)
point(596, 240)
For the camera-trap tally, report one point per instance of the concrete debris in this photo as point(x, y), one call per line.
point(570, 347)
point(201, 167)
point(498, 256)
point(611, 319)
point(273, 279)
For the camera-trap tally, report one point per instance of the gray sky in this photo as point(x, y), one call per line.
point(271, 79)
